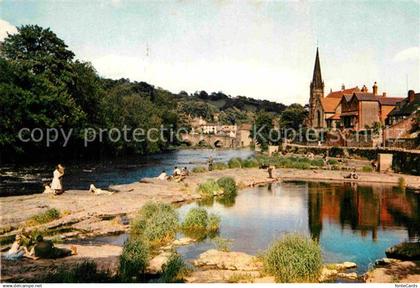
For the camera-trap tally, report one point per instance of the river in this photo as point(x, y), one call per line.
point(29, 179)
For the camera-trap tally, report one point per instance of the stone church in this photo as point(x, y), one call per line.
point(351, 108)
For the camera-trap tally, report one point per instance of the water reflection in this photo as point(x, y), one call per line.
point(352, 222)
point(363, 208)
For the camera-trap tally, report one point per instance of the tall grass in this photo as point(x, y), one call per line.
point(156, 222)
point(235, 163)
point(199, 224)
point(228, 185)
point(209, 188)
point(220, 166)
point(134, 260)
point(174, 270)
point(294, 258)
point(199, 169)
point(45, 217)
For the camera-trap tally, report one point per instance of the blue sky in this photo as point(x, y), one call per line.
point(260, 49)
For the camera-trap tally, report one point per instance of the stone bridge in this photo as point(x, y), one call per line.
point(216, 141)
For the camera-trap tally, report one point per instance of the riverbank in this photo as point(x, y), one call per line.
point(84, 215)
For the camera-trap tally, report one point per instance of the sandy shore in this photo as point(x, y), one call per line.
point(86, 215)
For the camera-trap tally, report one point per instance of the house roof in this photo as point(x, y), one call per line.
point(330, 104)
point(383, 100)
point(405, 108)
point(340, 93)
point(334, 117)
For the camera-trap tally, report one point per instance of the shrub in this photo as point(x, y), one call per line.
point(220, 166)
point(85, 272)
point(317, 162)
point(174, 270)
point(228, 185)
point(134, 260)
point(209, 188)
point(250, 163)
point(157, 222)
point(196, 219)
point(332, 162)
point(241, 278)
point(199, 169)
point(45, 217)
point(235, 163)
point(294, 258)
point(367, 169)
point(199, 224)
point(213, 224)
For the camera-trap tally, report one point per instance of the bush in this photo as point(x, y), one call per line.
point(174, 270)
point(134, 260)
point(209, 188)
point(367, 169)
point(250, 163)
point(294, 258)
point(222, 244)
point(199, 169)
point(317, 162)
point(199, 224)
point(196, 219)
point(85, 272)
point(157, 222)
point(213, 223)
point(220, 166)
point(235, 163)
point(228, 185)
point(45, 217)
point(332, 162)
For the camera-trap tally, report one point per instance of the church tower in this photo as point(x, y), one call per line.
point(316, 93)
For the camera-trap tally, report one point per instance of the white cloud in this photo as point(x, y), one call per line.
point(6, 27)
point(412, 53)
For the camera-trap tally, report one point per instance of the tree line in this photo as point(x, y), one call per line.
point(42, 85)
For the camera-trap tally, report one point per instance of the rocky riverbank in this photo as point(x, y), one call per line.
point(84, 215)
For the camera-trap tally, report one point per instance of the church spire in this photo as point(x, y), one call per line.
point(317, 78)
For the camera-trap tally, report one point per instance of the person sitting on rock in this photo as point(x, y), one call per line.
point(185, 172)
point(177, 172)
point(352, 175)
point(18, 250)
point(98, 191)
point(45, 249)
point(48, 189)
point(163, 175)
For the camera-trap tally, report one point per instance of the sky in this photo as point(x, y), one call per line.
point(260, 49)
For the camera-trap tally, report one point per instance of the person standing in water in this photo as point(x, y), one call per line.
point(56, 184)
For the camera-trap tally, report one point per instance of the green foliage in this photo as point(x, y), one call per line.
point(294, 258)
point(209, 188)
point(228, 186)
point(134, 260)
point(198, 223)
point(234, 163)
point(250, 163)
point(332, 162)
point(174, 270)
point(261, 130)
point(156, 222)
point(220, 166)
point(367, 169)
point(241, 278)
point(317, 162)
point(84, 272)
point(293, 117)
point(199, 169)
point(45, 217)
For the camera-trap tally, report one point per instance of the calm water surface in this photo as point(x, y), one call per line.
point(352, 222)
point(20, 180)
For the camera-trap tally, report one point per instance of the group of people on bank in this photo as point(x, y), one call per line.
point(35, 248)
point(177, 175)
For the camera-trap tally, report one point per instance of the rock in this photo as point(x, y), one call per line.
point(345, 265)
point(155, 265)
point(404, 251)
point(394, 272)
point(183, 241)
point(228, 261)
point(350, 276)
point(327, 274)
point(385, 261)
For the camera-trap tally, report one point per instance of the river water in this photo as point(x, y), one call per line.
point(352, 222)
point(29, 179)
